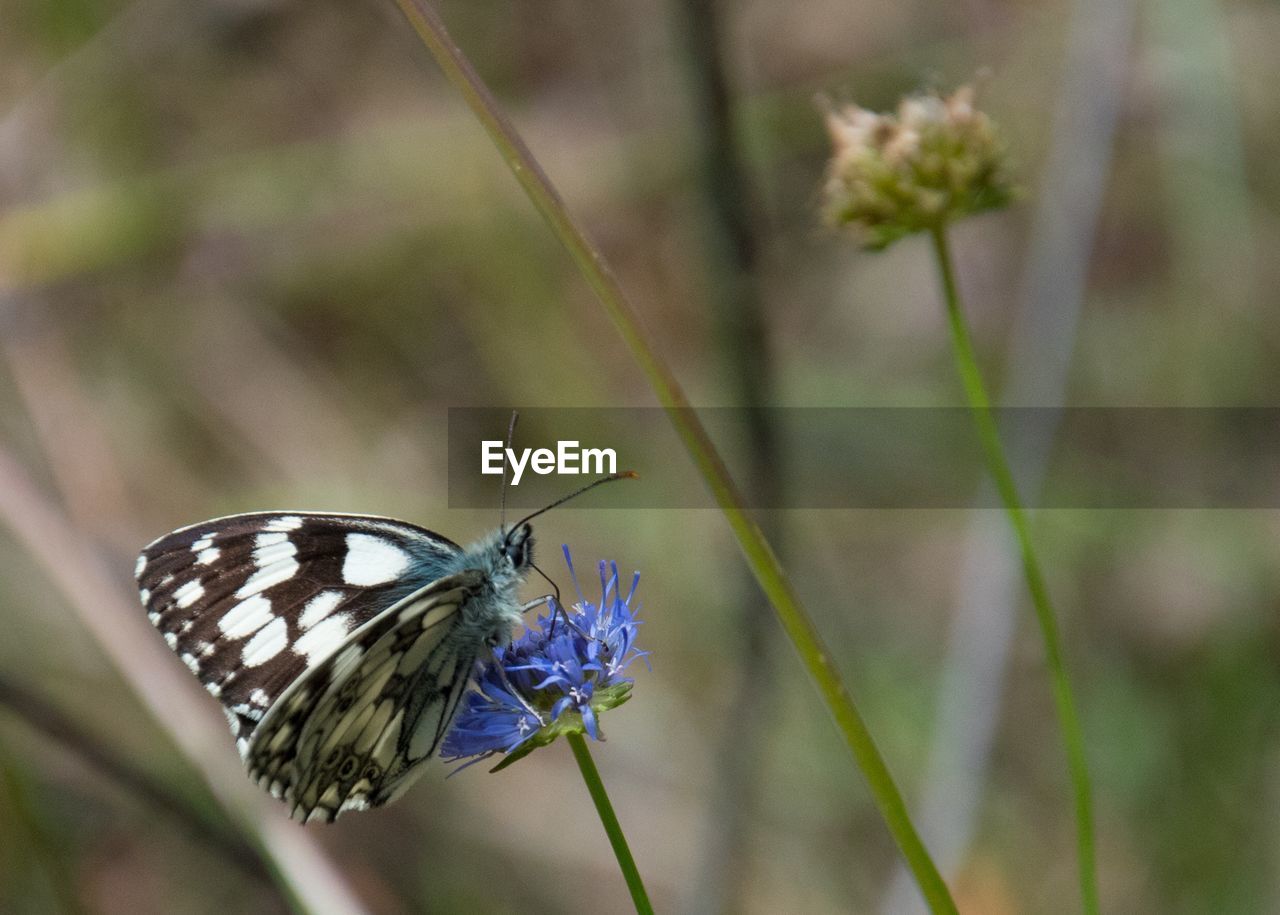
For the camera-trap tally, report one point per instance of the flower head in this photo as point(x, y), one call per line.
point(555, 679)
point(935, 160)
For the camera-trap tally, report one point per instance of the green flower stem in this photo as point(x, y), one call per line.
point(759, 555)
point(591, 775)
point(998, 467)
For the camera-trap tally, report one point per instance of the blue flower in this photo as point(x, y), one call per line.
point(555, 679)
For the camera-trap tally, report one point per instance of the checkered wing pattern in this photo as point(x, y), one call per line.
point(349, 734)
point(254, 604)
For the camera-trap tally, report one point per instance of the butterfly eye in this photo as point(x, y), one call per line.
point(519, 546)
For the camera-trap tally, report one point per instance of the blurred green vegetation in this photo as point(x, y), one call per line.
point(252, 250)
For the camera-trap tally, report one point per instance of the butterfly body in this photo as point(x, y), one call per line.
point(339, 645)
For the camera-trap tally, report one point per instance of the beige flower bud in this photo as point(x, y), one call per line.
point(935, 160)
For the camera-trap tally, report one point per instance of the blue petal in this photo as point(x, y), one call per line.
point(589, 720)
point(552, 665)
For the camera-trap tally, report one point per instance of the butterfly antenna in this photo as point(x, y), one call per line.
point(502, 499)
point(624, 475)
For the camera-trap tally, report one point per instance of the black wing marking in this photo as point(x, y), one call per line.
point(350, 733)
point(250, 602)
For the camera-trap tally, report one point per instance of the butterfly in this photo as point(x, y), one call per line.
point(339, 645)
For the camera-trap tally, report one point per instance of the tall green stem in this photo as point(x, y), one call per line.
point(591, 775)
point(759, 555)
point(998, 467)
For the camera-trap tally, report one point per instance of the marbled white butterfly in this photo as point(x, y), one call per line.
point(339, 645)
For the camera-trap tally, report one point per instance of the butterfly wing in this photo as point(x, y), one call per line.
point(252, 602)
point(349, 734)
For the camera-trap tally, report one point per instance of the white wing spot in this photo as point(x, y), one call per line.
point(416, 654)
point(389, 737)
point(246, 617)
point(264, 646)
point(189, 593)
point(345, 662)
point(268, 550)
point(191, 662)
point(355, 802)
point(260, 697)
point(202, 544)
point(372, 560)
point(319, 607)
point(376, 724)
point(171, 640)
point(323, 638)
point(445, 673)
point(265, 540)
point(246, 710)
point(140, 566)
point(287, 523)
point(268, 576)
point(154, 618)
point(436, 614)
point(208, 557)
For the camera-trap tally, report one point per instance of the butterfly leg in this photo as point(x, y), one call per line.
point(571, 624)
point(511, 688)
point(543, 601)
point(557, 614)
point(536, 603)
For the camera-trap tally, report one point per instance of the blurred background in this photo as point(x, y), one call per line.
point(252, 250)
